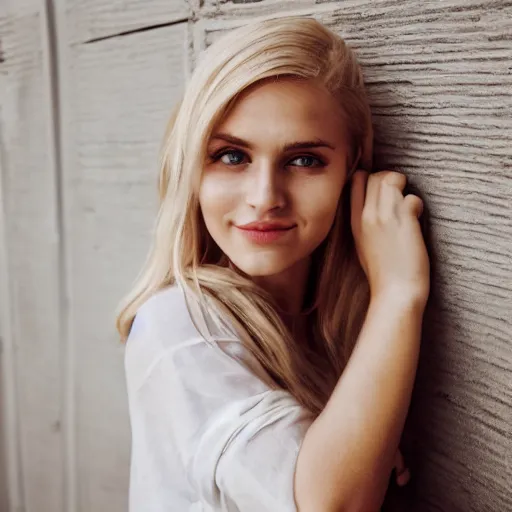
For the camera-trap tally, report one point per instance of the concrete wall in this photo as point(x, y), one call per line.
point(86, 87)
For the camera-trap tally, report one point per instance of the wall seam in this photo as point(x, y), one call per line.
point(68, 389)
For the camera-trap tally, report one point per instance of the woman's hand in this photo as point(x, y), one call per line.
point(402, 473)
point(388, 236)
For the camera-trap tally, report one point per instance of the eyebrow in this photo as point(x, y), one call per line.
point(315, 143)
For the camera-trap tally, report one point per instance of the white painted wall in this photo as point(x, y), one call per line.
point(86, 87)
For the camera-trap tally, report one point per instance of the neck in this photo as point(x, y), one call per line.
point(287, 288)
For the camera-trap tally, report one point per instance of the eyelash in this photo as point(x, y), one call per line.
point(217, 156)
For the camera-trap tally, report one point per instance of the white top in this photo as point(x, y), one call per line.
point(207, 434)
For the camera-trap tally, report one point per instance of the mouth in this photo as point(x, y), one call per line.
point(264, 233)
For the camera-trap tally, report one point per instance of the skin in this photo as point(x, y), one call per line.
point(348, 452)
point(260, 180)
point(297, 186)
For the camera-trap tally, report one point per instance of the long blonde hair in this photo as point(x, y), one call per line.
point(183, 252)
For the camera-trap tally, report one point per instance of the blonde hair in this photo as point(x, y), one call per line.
point(183, 252)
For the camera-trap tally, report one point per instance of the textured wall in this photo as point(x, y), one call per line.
point(32, 359)
point(86, 87)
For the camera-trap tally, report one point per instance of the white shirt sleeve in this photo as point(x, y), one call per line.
point(219, 435)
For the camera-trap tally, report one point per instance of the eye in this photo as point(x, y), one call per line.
point(306, 159)
point(237, 160)
point(236, 157)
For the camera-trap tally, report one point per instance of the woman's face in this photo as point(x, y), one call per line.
point(273, 175)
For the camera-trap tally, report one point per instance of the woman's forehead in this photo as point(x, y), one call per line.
point(283, 112)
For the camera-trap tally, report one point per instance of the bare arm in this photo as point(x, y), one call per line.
point(347, 454)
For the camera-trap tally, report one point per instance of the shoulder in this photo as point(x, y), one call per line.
point(171, 322)
point(161, 324)
point(173, 315)
point(165, 316)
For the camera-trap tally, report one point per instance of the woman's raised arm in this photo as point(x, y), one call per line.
point(348, 452)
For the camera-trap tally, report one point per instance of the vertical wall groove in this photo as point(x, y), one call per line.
point(68, 382)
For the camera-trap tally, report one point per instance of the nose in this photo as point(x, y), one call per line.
point(265, 188)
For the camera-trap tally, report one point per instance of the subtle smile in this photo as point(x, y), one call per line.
point(265, 232)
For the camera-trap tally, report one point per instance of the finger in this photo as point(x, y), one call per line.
point(403, 478)
point(391, 194)
point(357, 198)
point(372, 192)
point(402, 472)
point(395, 179)
point(413, 204)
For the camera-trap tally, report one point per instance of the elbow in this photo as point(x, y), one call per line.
point(337, 487)
point(360, 504)
point(323, 505)
point(313, 495)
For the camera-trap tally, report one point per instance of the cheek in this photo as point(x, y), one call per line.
point(217, 197)
point(321, 219)
point(318, 205)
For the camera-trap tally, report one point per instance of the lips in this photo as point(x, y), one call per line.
point(266, 226)
point(266, 232)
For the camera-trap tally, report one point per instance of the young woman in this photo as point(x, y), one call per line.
point(273, 335)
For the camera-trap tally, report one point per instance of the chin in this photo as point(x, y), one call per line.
point(261, 266)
